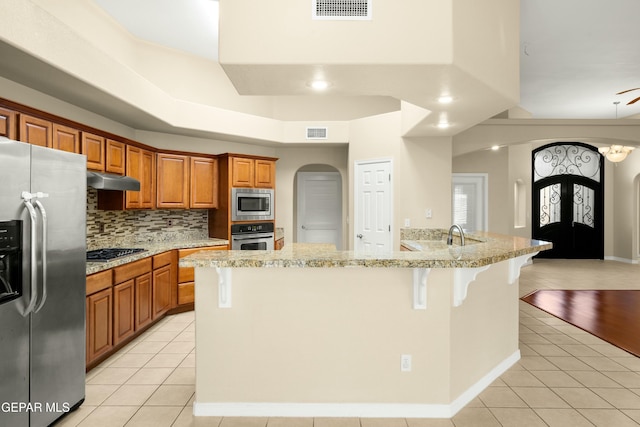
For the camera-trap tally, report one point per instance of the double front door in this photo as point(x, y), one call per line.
point(568, 200)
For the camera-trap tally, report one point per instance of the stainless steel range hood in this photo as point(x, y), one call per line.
point(109, 181)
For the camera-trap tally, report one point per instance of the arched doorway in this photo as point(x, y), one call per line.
point(568, 200)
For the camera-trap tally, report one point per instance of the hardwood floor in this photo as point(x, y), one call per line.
point(613, 315)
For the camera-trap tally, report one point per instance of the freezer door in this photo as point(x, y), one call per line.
point(58, 325)
point(14, 327)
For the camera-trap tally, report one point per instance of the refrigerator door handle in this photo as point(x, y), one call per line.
point(26, 196)
point(45, 235)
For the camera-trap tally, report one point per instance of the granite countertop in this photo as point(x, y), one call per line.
point(428, 251)
point(152, 248)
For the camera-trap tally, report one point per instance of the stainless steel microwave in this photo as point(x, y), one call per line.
point(252, 204)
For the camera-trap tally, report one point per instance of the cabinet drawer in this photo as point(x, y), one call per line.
point(162, 259)
point(99, 281)
point(186, 274)
point(131, 270)
point(185, 293)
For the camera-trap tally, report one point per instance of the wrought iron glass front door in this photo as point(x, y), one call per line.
point(568, 200)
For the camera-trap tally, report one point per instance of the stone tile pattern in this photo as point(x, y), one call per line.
point(146, 229)
point(142, 225)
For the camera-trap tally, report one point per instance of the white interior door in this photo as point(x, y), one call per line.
point(319, 208)
point(469, 199)
point(373, 206)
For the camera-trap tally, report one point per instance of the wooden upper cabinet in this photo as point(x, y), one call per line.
point(66, 139)
point(148, 180)
point(172, 181)
point(204, 183)
point(141, 166)
point(8, 123)
point(93, 148)
point(115, 157)
point(35, 131)
point(265, 174)
point(242, 172)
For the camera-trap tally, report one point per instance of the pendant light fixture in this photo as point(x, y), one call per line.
point(615, 153)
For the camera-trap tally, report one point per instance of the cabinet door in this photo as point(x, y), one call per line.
point(99, 326)
point(93, 148)
point(186, 293)
point(123, 310)
point(134, 170)
point(148, 180)
point(172, 181)
point(35, 131)
point(242, 172)
point(66, 139)
point(7, 123)
point(115, 155)
point(204, 183)
point(265, 173)
point(144, 298)
point(162, 280)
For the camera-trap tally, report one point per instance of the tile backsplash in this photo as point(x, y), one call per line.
point(142, 225)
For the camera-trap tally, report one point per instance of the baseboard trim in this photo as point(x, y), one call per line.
point(625, 260)
point(360, 410)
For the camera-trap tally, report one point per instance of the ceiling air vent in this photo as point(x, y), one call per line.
point(316, 133)
point(341, 10)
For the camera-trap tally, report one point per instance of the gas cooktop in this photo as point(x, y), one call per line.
point(109, 254)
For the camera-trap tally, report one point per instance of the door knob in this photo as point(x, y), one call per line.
point(304, 228)
point(359, 236)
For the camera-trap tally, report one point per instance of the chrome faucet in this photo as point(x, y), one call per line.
point(450, 236)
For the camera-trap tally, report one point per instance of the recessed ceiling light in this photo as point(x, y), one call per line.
point(319, 84)
point(495, 147)
point(445, 99)
point(443, 125)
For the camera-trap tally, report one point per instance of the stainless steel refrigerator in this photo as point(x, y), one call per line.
point(42, 283)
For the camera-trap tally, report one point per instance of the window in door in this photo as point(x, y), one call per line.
point(469, 201)
point(568, 199)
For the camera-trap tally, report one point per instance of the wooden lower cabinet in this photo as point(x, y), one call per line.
point(186, 289)
point(143, 315)
point(123, 311)
point(99, 324)
point(162, 283)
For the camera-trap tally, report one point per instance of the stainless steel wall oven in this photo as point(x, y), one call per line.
point(251, 237)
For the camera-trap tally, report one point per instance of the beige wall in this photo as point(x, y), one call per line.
point(290, 160)
point(493, 163)
point(252, 352)
point(621, 224)
point(421, 171)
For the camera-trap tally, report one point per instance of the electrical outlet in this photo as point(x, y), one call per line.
point(405, 363)
point(407, 222)
point(428, 213)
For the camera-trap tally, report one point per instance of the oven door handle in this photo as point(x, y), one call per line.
point(253, 236)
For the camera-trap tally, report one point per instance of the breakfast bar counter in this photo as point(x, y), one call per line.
point(311, 331)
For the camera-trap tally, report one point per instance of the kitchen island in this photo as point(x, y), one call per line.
point(311, 331)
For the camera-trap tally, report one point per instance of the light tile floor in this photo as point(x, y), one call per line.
point(566, 377)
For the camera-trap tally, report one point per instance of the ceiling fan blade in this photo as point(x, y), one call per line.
point(628, 90)
point(633, 101)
